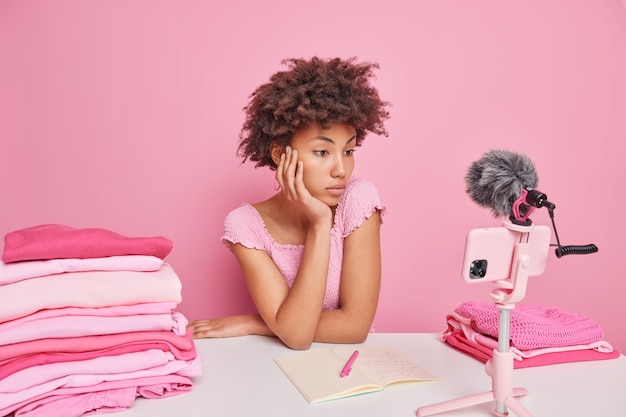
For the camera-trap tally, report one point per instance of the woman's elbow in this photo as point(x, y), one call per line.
point(297, 339)
point(360, 335)
point(297, 343)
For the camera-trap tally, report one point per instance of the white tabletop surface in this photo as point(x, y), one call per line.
point(241, 379)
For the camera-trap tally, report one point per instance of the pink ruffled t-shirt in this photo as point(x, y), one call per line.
point(244, 225)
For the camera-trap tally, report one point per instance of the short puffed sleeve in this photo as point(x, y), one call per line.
point(358, 203)
point(244, 225)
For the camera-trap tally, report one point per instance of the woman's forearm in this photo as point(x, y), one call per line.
point(298, 317)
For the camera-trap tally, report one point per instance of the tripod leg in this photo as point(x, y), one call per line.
point(454, 404)
point(518, 409)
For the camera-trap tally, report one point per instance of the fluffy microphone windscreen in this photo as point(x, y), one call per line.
point(497, 179)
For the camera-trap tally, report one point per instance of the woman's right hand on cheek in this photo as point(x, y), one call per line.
point(290, 173)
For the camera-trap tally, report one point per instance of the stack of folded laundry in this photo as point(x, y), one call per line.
point(88, 322)
point(538, 335)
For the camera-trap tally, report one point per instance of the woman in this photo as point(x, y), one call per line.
point(310, 254)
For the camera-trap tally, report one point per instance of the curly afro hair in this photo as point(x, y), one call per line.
point(324, 92)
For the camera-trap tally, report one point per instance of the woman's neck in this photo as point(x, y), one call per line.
point(283, 221)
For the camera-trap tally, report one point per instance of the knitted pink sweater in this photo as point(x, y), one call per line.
point(533, 326)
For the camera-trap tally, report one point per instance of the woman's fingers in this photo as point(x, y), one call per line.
point(286, 172)
point(279, 172)
point(290, 176)
point(290, 167)
point(299, 187)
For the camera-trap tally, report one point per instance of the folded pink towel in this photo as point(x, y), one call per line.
point(53, 241)
point(533, 326)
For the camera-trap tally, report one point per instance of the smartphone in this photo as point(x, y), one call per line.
point(489, 253)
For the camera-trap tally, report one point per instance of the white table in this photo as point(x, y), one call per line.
point(241, 379)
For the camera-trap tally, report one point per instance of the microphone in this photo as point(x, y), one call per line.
point(505, 182)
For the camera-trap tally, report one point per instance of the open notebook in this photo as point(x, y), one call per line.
point(316, 372)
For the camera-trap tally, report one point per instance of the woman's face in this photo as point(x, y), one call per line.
point(328, 159)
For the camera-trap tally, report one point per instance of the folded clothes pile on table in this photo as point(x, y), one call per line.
point(538, 335)
point(88, 322)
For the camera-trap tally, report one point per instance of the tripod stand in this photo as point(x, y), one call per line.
point(500, 366)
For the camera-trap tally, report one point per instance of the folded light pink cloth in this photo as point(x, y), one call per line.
point(95, 371)
point(88, 289)
point(43, 351)
point(104, 365)
point(533, 326)
point(77, 326)
point(112, 311)
point(18, 271)
point(109, 396)
point(77, 405)
point(51, 241)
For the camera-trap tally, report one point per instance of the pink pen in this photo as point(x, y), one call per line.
point(348, 366)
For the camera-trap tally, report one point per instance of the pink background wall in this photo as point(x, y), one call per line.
point(125, 115)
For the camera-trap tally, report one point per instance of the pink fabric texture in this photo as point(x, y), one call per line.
point(533, 326)
point(103, 365)
point(462, 324)
point(99, 402)
point(52, 241)
point(244, 225)
point(61, 402)
point(460, 334)
point(160, 386)
point(88, 323)
point(112, 311)
point(95, 371)
point(458, 340)
point(76, 326)
point(96, 345)
point(18, 271)
point(44, 351)
point(89, 289)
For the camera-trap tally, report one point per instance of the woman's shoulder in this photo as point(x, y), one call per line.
point(361, 191)
point(244, 225)
point(358, 203)
point(245, 213)
point(361, 185)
